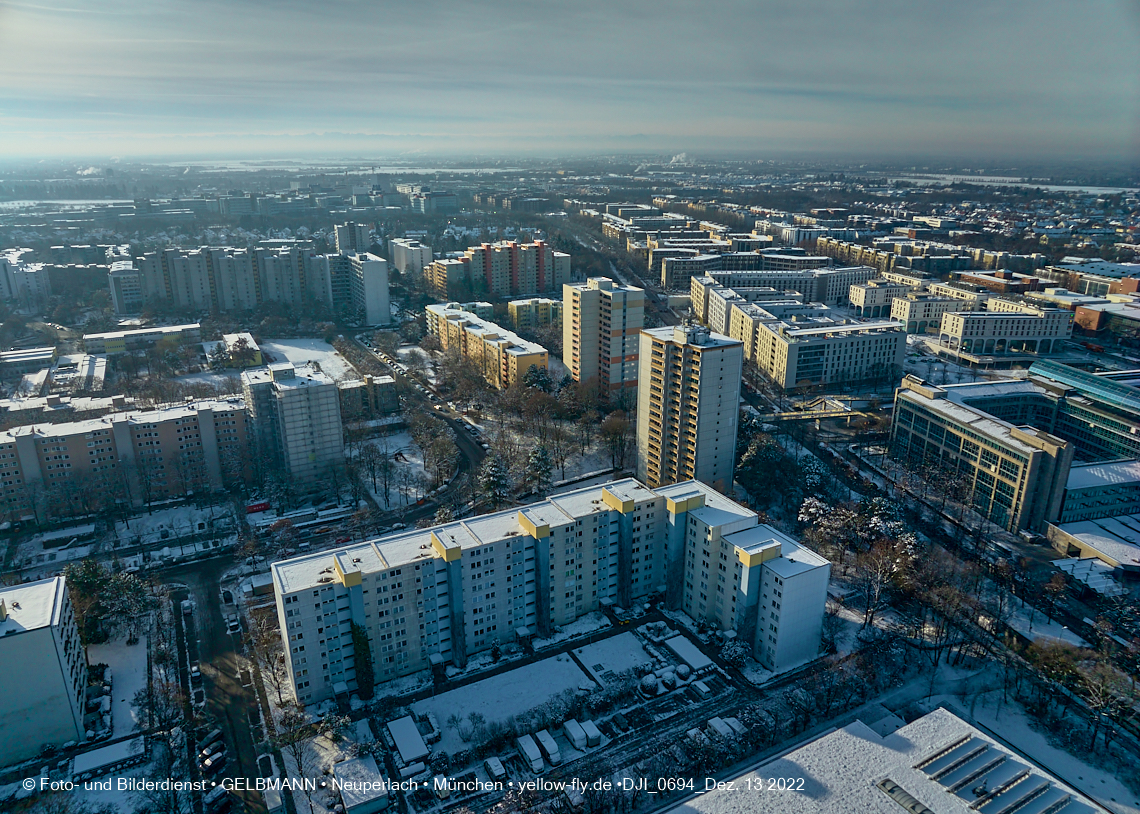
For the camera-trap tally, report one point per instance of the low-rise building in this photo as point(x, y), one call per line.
point(501, 355)
point(1006, 327)
point(114, 343)
point(43, 686)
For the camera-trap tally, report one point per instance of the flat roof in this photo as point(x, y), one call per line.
point(1118, 538)
point(32, 606)
point(166, 329)
point(688, 653)
point(917, 768)
point(408, 739)
point(1093, 475)
point(359, 781)
point(406, 547)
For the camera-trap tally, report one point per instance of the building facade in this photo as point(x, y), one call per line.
point(369, 287)
point(1006, 327)
point(125, 283)
point(600, 332)
point(535, 312)
point(137, 458)
point(295, 413)
point(872, 299)
point(436, 596)
point(352, 238)
point(408, 255)
point(502, 356)
point(819, 350)
point(43, 690)
point(922, 313)
point(688, 398)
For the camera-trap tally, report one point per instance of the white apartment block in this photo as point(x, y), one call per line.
point(125, 282)
point(295, 412)
point(921, 313)
point(701, 290)
point(369, 287)
point(602, 320)
point(430, 597)
point(44, 681)
point(25, 285)
point(804, 354)
point(1007, 326)
point(688, 401)
point(409, 255)
point(352, 238)
point(872, 299)
point(975, 295)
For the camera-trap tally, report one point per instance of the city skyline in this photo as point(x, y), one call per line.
point(877, 80)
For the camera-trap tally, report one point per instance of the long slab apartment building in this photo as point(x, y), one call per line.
point(1021, 448)
point(144, 456)
point(502, 356)
point(429, 597)
point(506, 268)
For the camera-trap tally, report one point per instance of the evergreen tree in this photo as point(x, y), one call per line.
point(538, 468)
point(495, 480)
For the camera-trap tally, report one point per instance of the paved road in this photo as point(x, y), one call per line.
point(228, 703)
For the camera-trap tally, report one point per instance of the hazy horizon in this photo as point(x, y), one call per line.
point(1017, 81)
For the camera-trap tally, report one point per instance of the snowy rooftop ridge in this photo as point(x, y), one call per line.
point(403, 548)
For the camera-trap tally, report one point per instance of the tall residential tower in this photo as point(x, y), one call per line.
point(688, 401)
point(600, 323)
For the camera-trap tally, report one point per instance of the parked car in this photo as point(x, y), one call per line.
point(195, 673)
point(234, 625)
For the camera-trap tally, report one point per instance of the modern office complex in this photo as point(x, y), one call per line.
point(1006, 327)
point(872, 299)
point(503, 356)
point(1013, 443)
point(818, 350)
point(295, 412)
point(688, 401)
point(430, 597)
point(677, 268)
point(600, 332)
point(831, 286)
point(535, 312)
point(920, 312)
point(44, 681)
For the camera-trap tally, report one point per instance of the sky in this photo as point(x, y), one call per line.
point(1040, 79)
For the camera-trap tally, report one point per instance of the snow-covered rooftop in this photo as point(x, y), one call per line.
point(403, 548)
point(408, 739)
point(1091, 476)
point(937, 764)
point(359, 783)
point(32, 605)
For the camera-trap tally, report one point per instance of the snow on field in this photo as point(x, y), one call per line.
point(177, 522)
point(228, 381)
point(579, 627)
point(299, 351)
point(507, 694)
point(607, 658)
point(426, 364)
point(128, 676)
point(409, 470)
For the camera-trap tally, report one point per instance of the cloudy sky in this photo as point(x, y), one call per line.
point(874, 78)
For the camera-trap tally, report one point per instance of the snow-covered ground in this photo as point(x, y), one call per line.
point(299, 351)
point(1036, 626)
point(427, 366)
point(505, 695)
point(408, 470)
point(177, 522)
point(579, 627)
point(128, 676)
point(228, 381)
